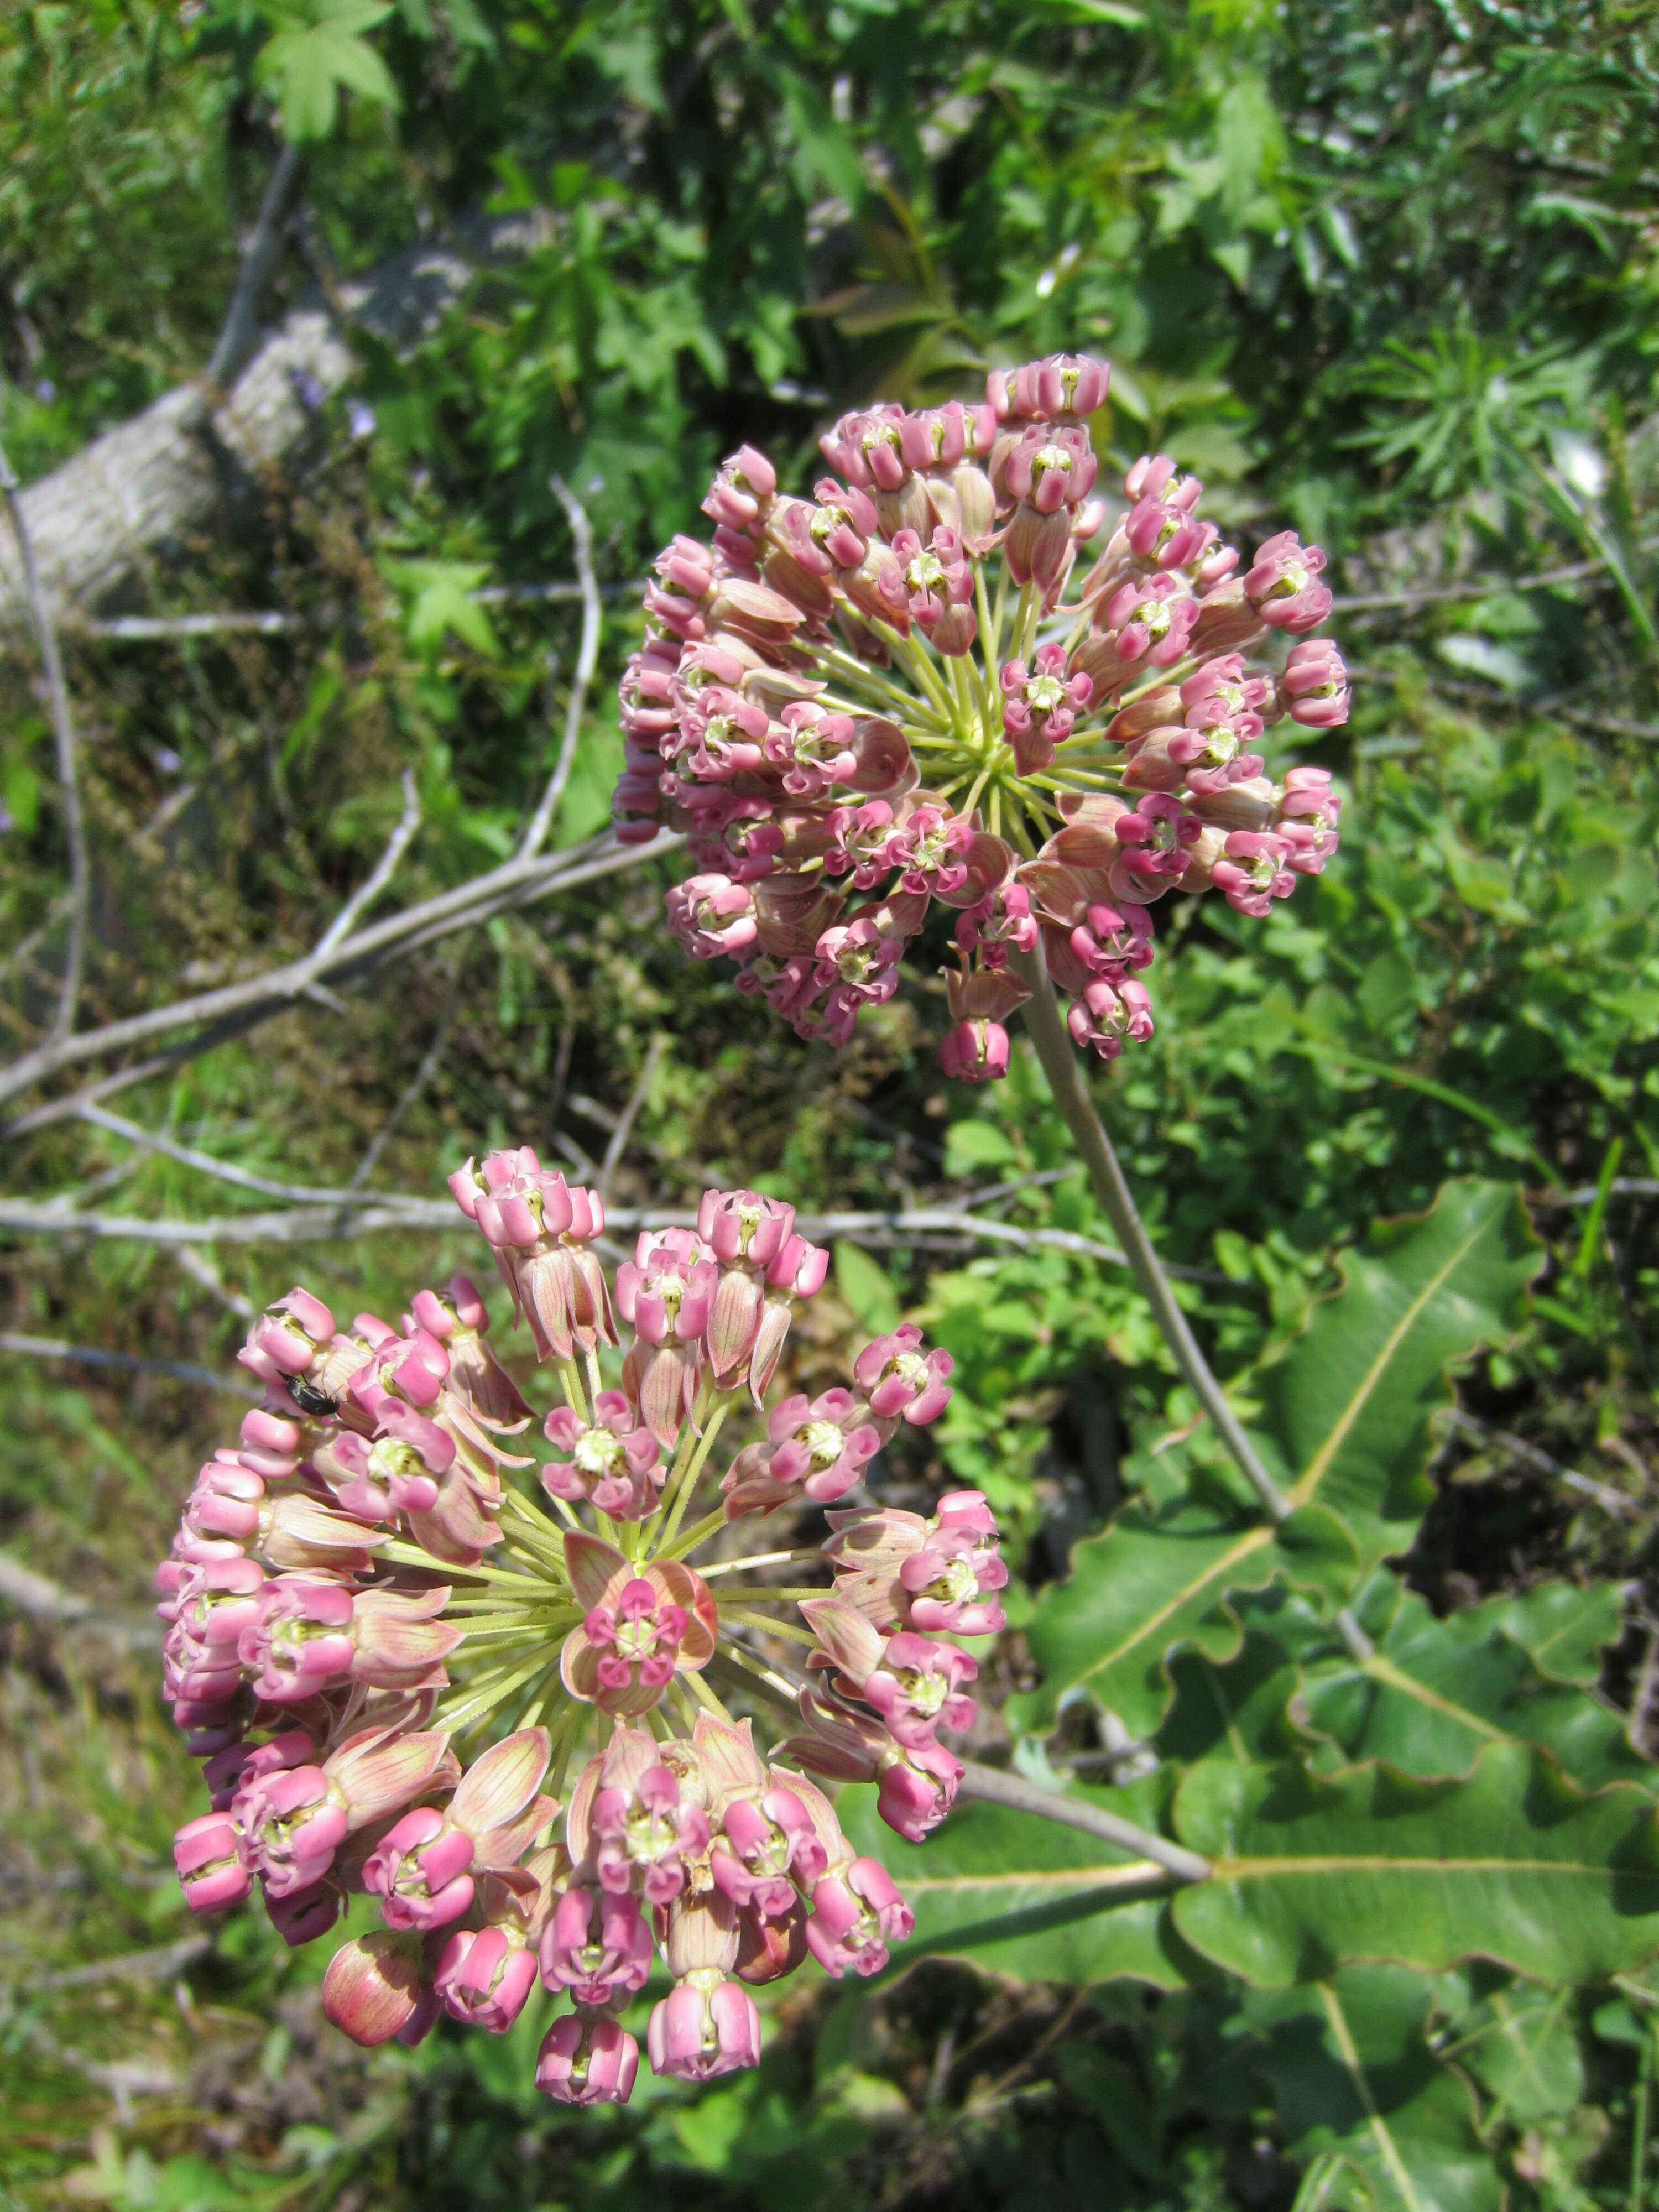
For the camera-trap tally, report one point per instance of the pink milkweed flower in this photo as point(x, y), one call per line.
point(1146, 622)
point(286, 1338)
point(310, 1634)
point(1314, 688)
point(1103, 1014)
point(1063, 383)
point(539, 1229)
point(999, 922)
point(975, 1052)
point(456, 1317)
point(949, 1586)
point(931, 847)
point(642, 1830)
point(935, 1575)
point(613, 1463)
point(901, 1382)
point(916, 1784)
point(915, 1688)
point(711, 916)
point(767, 1850)
point(1306, 796)
point(667, 1291)
point(596, 1946)
point(484, 1978)
point(1040, 706)
point(1281, 584)
point(639, 1627)
point(293, 1821)
point(378, 1987)
point(940, 585)
point(1253, 871)
point(705, 2027)
point(859, 961)
point(587, 2058)
point(860, 842)
point(206, 1852)
point(823, 1445)
point(913, 1685)
point(856, 1914)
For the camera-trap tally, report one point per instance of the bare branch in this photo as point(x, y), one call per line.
point(63, 724)
point(238, 1006)
point(275, 621)
point(1620, 1187)
point(239, 340)
point(161, 1965)
point(385, 867)
point(200, 1269)
point(994, 1786)
point(37, 1595)
point(1610, 1500)
point(620, 1134)
point(84, 1355)
point(1477, 588)
point(321, 1216)
point(205, 1163)
point(352, 1215)
point(582, 531)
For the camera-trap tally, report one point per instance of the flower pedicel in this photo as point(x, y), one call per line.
point(911, 688)
point(505, 1719)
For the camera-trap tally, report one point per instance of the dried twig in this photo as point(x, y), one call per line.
point(1529, 1454)
point(367, 892)
point(63, 724)
point(582, 531)
point(629, 1115)
point(85, 1355)
point(200, 1269)
point(238, 1006)
point(406, 1098)
point(240, 338)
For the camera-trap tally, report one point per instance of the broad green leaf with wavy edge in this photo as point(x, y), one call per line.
point(1348, 1406)
point(1513, 1864)
point(1563, 1628)
point(1025, 1897)
point(1147, 1586)
point(1363, 2101)
point(1521, 2044)
point(1435, 1693)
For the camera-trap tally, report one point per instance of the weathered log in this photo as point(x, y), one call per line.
point(135, 495)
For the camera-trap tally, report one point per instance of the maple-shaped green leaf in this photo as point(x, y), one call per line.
point(316, 49)
point(1027, 1898)
point(1513, 1864)
point(1433, 1693)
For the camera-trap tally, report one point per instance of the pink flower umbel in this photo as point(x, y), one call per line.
point(909, 684)
point(370, 1582)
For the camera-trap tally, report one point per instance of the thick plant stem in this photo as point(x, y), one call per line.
point(1059, 1057)
point(1057, 1053)
point(995, 1786)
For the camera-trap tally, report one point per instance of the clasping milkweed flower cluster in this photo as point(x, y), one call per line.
point(912, 687)
point(489, 1689)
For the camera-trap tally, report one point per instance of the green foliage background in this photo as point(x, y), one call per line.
point(1387, 276)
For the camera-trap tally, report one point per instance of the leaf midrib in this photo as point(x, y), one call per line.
point(1251, 1542)
point(1319, 1466)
